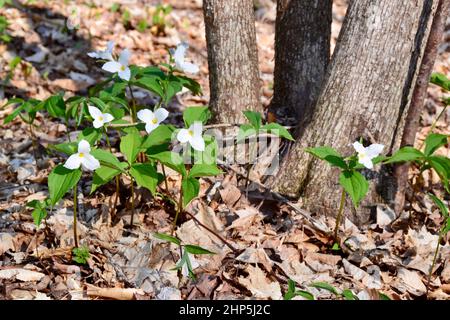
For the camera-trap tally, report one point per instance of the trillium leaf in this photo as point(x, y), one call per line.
point(152, 84)
point(145, 175)
point(102, 176)
point(245, 130)
point(325, 286)
point(328, 154)
point(61, 180)
point(442, 167)
point(191, 188)
point(172, 160)
point(192, 249)
point(91, 135)
point(39, 213)
point(433, 142)
point(405, 154)
point(166, 237)
point(162, 134)
point(192, 114)
point(355, 185)
point(441, 80)
point(254, 118)
point(67, 148)
point(438, 202)
point(204, 170)
point(107, 158)
point(349, 295)
point(278, 130)
point(130, 145)
point(55, 106)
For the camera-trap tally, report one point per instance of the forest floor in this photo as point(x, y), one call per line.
point(273, 242)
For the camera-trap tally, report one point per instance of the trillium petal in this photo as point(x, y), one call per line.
point(107, 117)
point(150, 126)
point(112, 66)
point(125, 74)
point(198, 143)
point(73, 162)
point(95, 112)
point(89, 162)
point(110, 46)
point(188, 67)
point(161, 114)
point(183, 136)
point(359, 147)
point(94, 55)
point(124, 57)
point(374, 150)
point(366, 162)
point(197, 128)
point(84, 146)
point(180, 52)
point(98, 123)
point(145, 115)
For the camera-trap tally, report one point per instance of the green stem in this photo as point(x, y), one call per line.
point(165, 178)
point(133, 105)
point(339, 216)
point(132, 202)
point(434, 260)
point(75, 205)
point(113, 209)
point(179, 209)
point(433, 126)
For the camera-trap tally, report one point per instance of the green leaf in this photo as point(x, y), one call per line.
point(15, 113)
point(442, 167)
point(278, 130)
point(39, 213)
point(99, 103)
point(209, 155)
point(67, 148)
point(162, 134)
point(196, 249)
point(80, 255)
point(191, 84)
point(245, 130)
point(433, 142)
point(166, 237)
point(55, 106)
point(204, 170)
point(440, 80)
point(349, 295)
point(172, 160)
point(130, 146)
point(107, 158)
point(405, 154)
point(91, 135)
point(329, 155)
point(145, 175)
point(254, 118)
point(192, 114)
point(151, 84)
point(191, 188)
point(102, 176)
point(355, 185)
point(438, 202)
point(383, 296)
point(325, 286)
point(61, 180)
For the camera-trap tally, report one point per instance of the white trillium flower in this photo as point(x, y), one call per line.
point(120, 66)
point(185, 268)
point(366, 154)
point(180, 62)
point(105, 54)
point(193, 135)
point(99, 117)
point(152, 119)
point(83, 158)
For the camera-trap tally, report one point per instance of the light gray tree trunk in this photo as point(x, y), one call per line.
point(232, 59)
point(366, 94)
point(302, 53)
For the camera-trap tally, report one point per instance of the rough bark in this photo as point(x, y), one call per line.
point(419, 96)
point(366, 95)
point(302, 53)
point(232, 58)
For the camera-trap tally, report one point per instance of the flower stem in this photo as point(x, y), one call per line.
point(113, 209)
point(433, 126)
point(430, 273)
point(132, 202)
point(339, 216)
point(165, 178)
point(133, 105)
point(75, 205)
point(179, 209)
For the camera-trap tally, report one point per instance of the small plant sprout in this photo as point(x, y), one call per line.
point(193, 135)
point(180, 60)
point(188, 263)
point(82, 158)
point(353, 183)
point(80, 255)
point(120, 66)
point(366, 154)
point(152, 119)
point(106, 54)
point(99, 117)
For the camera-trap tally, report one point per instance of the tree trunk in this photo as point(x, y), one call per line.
point(366, 95)
point(232, 59)
point(419, 96)
point(302, 53)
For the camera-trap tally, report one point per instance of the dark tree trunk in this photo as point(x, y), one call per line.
point(367, 93)
point(302, 53)
point(419, 96)
point(232, 58)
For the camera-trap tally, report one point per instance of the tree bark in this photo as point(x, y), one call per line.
point(232, 59)
point(366, 95)
point(419, 96)
point(302, 54)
